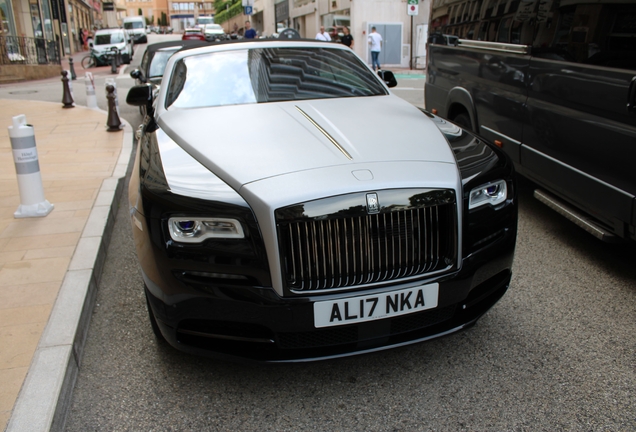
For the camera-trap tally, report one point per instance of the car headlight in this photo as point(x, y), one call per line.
point(492, 193)
point(196, 230)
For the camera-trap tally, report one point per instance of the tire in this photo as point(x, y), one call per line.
point(127, 58)
point(463, 120)
point(88, 62)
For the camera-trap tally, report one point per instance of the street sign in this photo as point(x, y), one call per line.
point(412, 9)
point(248, 10)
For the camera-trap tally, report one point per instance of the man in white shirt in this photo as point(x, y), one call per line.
point(322, 35)
point(375, 41)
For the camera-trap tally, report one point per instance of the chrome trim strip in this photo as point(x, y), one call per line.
point(495, 46)
point(505, 137)
point(325, 133)
point(570, 167)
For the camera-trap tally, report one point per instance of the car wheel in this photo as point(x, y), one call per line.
point(153, 321)
point(463, 120)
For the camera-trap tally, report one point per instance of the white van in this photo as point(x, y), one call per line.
point(136, 27)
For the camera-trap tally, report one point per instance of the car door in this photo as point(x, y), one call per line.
point(579, 131)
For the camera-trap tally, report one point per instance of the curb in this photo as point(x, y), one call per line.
point(46, 393)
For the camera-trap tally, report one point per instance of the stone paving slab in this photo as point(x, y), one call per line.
point(50, 266)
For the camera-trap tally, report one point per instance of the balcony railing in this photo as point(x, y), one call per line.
point(25, 50)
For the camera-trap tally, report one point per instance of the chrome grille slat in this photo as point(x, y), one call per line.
point(341, 252)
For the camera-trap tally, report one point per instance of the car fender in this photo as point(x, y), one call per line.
point(461, 96)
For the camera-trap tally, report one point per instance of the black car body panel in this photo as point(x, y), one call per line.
point(564, 114)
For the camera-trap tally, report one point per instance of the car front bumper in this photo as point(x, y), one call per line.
point(255, 324)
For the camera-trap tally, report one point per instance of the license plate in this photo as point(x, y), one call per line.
point(378, 306)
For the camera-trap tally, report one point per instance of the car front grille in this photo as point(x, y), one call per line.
point(322, 253)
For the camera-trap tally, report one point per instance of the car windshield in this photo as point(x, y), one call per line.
point(262, 75)
point(159, 61)
point(133, 25)
point(213, 27)
point(109, 38)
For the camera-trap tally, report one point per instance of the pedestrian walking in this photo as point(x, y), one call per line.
point(347, 39)
point(250, 33)
point(80, 36)
point(322, 36)
point(85, 38)
point(375, 41)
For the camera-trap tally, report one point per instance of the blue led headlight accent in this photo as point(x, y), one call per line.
point(492, 193)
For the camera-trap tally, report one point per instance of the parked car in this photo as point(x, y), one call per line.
point(214, 32)
point(107, 41)
point(136, 26)
point(559, 99)
point(287, 207)
point(154, 60)
point(193, 34)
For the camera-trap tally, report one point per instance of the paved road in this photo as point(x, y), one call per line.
point(556, 353)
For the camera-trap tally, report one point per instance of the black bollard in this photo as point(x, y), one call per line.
point(113, 63)
point(67, 98)
point(70, 65)
point(113, 122)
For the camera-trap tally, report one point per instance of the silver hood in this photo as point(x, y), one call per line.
point(273, 155)
point(243, 144)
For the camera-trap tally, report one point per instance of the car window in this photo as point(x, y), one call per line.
point(159, 61)
point(133, 25)
point(109, 38)
point(263, 75)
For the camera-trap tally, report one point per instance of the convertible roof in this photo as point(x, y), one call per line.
point(175, 43)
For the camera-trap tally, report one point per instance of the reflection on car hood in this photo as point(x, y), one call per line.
point(246, 143)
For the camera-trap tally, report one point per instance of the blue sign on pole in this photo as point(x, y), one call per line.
point(248, 10)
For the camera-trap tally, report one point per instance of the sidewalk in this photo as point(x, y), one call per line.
point(50, 266)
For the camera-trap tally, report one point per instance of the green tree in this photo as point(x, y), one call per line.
point(139, 12)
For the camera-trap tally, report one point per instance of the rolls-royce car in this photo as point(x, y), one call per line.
point(286, 206)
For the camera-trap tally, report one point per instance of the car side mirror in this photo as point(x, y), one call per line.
point(388, 78)
point(137, 74)
point(140, 95)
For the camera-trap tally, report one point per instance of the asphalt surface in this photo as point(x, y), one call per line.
point(558, 352)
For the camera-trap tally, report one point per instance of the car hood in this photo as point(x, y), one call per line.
point(243, 144)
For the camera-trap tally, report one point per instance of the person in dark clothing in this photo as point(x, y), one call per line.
point(347, 39)
point(250, 33)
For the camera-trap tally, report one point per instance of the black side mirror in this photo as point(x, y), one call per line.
point(137, 74)
point(388, 78)
point(140, 95)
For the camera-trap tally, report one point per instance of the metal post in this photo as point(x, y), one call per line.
point(113, 122)
point(70, 65)
point(67, 98)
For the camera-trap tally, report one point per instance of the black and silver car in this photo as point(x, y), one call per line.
point(286, 206)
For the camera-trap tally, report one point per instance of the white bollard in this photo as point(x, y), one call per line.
point(27, 168)
point(91, 98)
